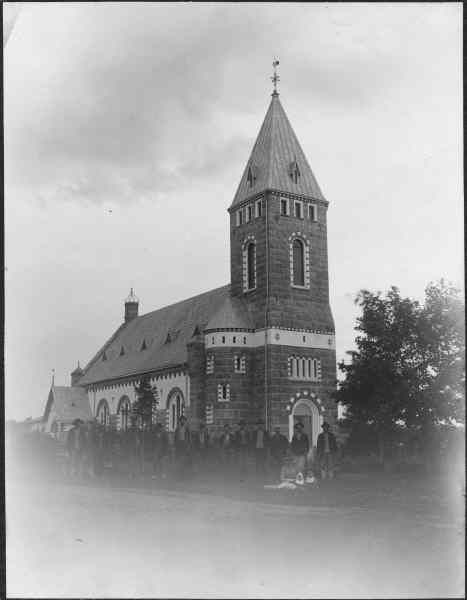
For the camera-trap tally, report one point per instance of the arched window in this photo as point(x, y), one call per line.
point(176, 408)
point(249, 263)
point(251, 256)
point(123, 413)
point(298, 262)
point(103, 413)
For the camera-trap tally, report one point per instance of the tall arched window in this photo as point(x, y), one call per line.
point(123, 413)
point(103, 413)
point(251, 256)
point(298, 263)
point(175, 407)
point(249, 263)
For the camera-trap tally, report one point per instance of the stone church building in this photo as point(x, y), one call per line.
point(261, 347)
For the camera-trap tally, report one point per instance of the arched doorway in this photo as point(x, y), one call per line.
point(305, 411)
point(175, 408)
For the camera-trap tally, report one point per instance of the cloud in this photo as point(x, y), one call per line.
point(139, 115)
point(117, 98)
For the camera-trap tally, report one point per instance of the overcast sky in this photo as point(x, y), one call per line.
point(128, 126)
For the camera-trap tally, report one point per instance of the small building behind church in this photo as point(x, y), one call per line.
point(260, 347)
point(64, 405)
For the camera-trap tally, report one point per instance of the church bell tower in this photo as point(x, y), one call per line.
point(278, 232)
point(279, 267)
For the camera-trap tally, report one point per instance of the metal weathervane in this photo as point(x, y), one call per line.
point(275, 78)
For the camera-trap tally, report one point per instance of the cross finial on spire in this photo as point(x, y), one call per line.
point(53, 377)
point(275, 78)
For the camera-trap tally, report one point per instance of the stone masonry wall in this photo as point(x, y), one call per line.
point(242, 401)
point(289, 306)
point(281, 388)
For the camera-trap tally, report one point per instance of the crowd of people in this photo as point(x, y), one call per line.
point(185, 452)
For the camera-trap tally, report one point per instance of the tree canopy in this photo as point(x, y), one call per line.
point(409, 366)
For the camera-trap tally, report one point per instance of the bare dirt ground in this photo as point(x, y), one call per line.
point(375, 536)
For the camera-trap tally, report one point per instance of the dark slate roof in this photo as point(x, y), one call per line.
point(275, 149)
point(232, 314)
point(69, 403)
point(165, 332)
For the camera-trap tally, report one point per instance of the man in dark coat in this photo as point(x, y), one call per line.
point(160, 448)
point(242, 443)
point(75, 445)
point(299, 446)
point(326, 451)
point(227, 446)
point(201, 442)
point(132, 448)
point(183, 446)
point(278, 445)
point(260, 444)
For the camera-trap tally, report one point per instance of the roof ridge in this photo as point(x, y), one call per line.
point(182, 316)
point(104, 347)
point(222, 287)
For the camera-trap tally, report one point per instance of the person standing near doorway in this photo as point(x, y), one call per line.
point(300, 446)
point(278, 448)
point(327, 450)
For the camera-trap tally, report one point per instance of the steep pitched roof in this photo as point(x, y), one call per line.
point(68, 403)
point(275, 151)
point(165, 333)
point(232, 314)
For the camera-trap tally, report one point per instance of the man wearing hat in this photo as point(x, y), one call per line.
point(227, 446)
point(260, 444)
point(242, 442)
point(75, 448)
point(183, 446)
point(278, 447)
point(160, 449)
point(299, 447)
point(201, 442)
point(326, 450)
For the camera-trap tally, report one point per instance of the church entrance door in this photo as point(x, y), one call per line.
point(305, 411)
point(302, 414)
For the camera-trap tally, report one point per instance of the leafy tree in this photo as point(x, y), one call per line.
point(441, 344)
point(147, 401)
point(409, 367)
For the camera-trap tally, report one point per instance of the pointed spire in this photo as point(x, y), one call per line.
point(277, 160)
point(52, 384)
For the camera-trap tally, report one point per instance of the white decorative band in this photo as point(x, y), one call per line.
point(273, 336)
